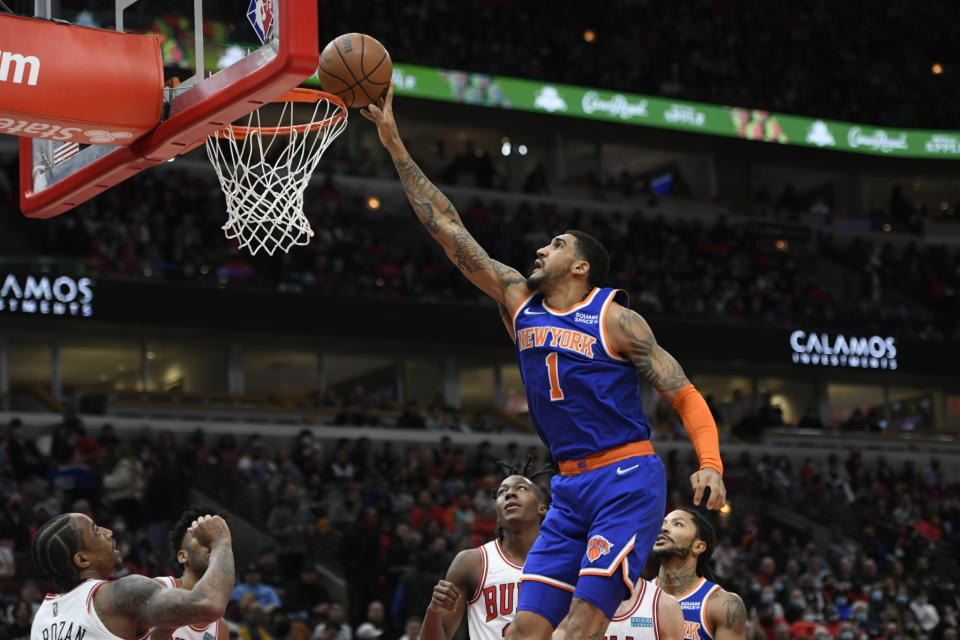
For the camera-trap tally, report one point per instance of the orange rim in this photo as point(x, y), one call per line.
point(299, 94)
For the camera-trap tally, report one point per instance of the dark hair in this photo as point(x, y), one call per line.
point(708, 535)
point(52, 551)
point(526, 472)
point(591, 250)
point(180, 529)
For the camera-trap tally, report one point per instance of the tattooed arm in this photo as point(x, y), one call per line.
point(631, 337)
point(726, 615)
point(440, 218)
point(127, 604)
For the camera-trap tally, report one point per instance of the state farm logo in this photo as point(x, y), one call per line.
point(873, 352)
point(21, 66)
point(45, 296)
point(50, 131)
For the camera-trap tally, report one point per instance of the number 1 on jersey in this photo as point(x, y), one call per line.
point(556, 393)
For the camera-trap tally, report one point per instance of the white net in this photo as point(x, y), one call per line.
point(264, 172)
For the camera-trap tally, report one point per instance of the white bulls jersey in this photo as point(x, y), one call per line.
point(188, 631)
point(71, 616)
point(636, 618)
point(494, 603)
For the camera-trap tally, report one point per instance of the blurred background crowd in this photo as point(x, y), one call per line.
point(167, 227)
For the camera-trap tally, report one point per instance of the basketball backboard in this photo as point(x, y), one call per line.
point(228, 82)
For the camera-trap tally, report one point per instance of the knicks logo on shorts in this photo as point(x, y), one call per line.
point(598, 546)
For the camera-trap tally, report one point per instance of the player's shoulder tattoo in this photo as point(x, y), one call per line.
point(729, 609)
point(127, 595)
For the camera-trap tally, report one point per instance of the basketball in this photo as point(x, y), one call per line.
point(356, 68)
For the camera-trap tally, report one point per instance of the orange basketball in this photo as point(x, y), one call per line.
point(356, 68)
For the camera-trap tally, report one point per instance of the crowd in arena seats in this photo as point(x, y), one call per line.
point(822, 59)
point(166, 226)
point(842, 548)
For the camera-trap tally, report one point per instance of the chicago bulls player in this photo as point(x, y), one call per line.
point(485, 581)
point(194, 558)
point(684, 546)
point(649, 614)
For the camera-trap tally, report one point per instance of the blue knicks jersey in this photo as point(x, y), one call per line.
point(694, 605)
point(582, 397)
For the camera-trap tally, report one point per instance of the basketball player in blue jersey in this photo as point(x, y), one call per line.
point(684, 547)
point(579, 348)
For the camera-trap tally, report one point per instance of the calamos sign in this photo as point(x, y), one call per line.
point(838, 350)
point(47, 295)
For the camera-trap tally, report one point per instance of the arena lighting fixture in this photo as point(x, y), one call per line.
point(782, 245)
point(373, 203)
point(937, 68)
point(589, 35)
point(505, 148)
point(726, 509)
point(522, 149)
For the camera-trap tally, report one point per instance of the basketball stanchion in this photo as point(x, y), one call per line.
point(265, 165)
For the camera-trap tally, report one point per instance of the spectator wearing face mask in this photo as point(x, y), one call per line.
point(846, 632)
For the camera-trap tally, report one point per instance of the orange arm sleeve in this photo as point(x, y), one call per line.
point(700, 426)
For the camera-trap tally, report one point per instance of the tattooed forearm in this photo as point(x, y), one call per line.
point(217, 581)
point(144, 599)
point(657, 366)
point(424, 196)
point(467, 254)
point(441, 219)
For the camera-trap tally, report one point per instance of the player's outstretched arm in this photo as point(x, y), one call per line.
point(142, 599)
point(438, 215)
point(632, 338)
point(727, 615)
point(449, 599)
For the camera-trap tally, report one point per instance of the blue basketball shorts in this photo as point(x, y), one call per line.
point(596, 538)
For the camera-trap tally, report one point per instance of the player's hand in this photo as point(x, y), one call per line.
point(708, 478)
point(445, 596)
point(381, 114)
point(209, 530)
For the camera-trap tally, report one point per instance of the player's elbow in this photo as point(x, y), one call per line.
point(207, 610)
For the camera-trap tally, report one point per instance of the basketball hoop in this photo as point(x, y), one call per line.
point(264, 169)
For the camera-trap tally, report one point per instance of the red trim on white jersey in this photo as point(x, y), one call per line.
point(637, 599)
point(505, 558)
point(656, 614)
point(93, 591)
point(483, 576)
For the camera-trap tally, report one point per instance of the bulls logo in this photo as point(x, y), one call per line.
point(598, 546)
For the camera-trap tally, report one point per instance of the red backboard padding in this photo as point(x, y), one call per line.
point(77, 84)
